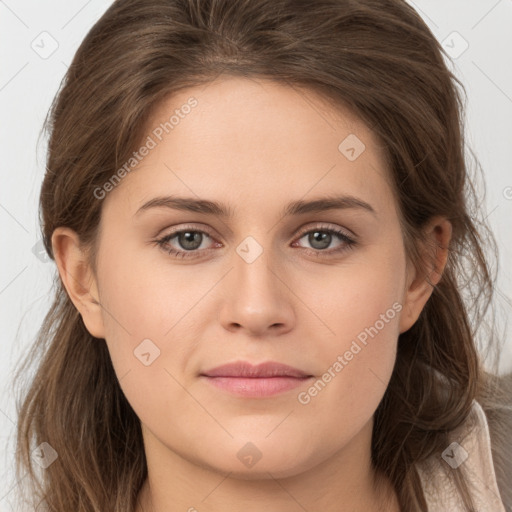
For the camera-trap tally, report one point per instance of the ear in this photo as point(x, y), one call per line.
point(420, 285)
point(78, 278)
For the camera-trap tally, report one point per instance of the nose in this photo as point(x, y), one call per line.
point(258, 297)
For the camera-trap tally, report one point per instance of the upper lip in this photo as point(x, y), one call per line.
point(246, 369)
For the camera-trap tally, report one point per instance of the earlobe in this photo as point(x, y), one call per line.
point(420, 284)
point(78, 278)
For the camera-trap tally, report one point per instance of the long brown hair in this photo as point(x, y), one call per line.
point(376, 57)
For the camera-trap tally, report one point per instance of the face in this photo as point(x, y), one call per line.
point(322, 290)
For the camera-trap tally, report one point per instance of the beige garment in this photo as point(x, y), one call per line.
point(470, 449)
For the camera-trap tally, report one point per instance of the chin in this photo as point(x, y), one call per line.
point(246, 462)
point(263, 471)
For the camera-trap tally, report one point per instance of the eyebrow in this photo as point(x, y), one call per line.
point(293, 208)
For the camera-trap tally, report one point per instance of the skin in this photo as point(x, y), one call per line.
point(255, 145)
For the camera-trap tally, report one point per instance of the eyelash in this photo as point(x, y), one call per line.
point(349, 243)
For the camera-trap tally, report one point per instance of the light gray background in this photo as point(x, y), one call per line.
point(38, 42)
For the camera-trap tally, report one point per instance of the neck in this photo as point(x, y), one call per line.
point(346, 481)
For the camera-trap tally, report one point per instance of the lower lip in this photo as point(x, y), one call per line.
point(256, 387)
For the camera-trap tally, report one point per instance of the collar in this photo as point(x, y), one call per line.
point(469, 450)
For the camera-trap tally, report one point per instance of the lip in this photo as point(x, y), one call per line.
point(255, 381)
point(246, 369)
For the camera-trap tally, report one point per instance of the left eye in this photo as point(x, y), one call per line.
point(191, 240)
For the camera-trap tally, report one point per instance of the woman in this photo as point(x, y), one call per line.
point(269, 270)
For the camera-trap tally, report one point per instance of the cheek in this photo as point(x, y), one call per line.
point(130, 305)
point(140, 300)
point(363, 295)
point(152, 317)
point(360, 310)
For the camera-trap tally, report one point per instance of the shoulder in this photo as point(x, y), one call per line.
point(496, 402)
point(480, 448)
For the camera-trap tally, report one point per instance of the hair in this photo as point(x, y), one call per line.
point(377, 58)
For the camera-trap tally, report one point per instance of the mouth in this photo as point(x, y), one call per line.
point(255, 381)
point(256, 387)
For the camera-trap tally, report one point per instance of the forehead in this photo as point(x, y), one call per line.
point(258, 105)
point(247, 140)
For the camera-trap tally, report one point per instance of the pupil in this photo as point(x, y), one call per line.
point(323, 238)
point(190, 238)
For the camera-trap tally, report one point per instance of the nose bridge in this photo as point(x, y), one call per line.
point(256, 298)
point(253, 266)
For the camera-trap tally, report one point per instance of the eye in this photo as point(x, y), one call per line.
point(189, 241)
point(321, 237)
